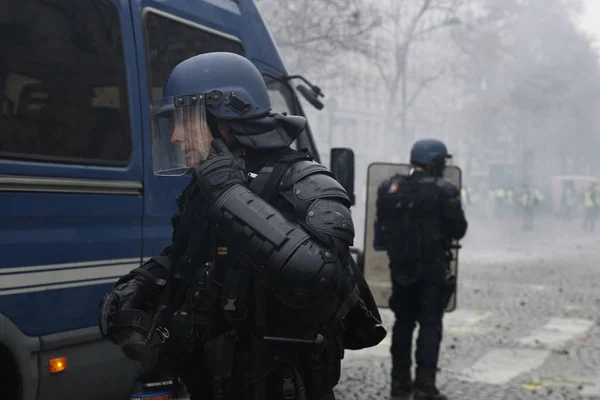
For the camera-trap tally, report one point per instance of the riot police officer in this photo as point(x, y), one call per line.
point(419, 215)
point(258, 296)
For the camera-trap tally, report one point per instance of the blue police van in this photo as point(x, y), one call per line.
point(79, 204)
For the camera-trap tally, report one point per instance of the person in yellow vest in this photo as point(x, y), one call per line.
point(465, 195)
point(568, 200)
point(591, 203)
point(498, 197)
point(509, 207)
point(475, 194)
point(528, 199)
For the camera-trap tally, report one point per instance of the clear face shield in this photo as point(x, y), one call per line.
point(181, 137)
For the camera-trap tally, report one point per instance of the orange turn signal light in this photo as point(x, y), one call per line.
point(57, 365)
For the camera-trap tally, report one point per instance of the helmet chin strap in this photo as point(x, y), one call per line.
point(213, 125)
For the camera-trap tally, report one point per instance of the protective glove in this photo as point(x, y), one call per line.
point(129, 294)
point(218, 173)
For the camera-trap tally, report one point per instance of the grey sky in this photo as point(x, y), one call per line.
point(591, 20)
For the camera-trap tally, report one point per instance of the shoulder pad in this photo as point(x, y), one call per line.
point(447, 186)
point(384, 187)
point(299, 170)
point(319, 186)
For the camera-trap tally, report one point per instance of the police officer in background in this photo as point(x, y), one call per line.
point(419, 215)
point(258, 296)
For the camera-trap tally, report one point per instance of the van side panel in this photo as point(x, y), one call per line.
point(61, 253)
point(64, 241)
point(70, 221)
point(97, 369)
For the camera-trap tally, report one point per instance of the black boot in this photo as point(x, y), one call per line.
point(401, 381)
point(424, 388)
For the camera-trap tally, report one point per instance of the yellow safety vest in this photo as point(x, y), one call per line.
point(464, 195)
point(589, 199)
point(539, 195)
point(527, 199)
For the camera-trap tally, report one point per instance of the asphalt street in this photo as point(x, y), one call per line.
point(527, 325)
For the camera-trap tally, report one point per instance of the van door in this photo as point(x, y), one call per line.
point(168, 39)
point(70, 161)
point(70, 188)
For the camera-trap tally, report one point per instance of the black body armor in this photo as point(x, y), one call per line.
point(274, 293)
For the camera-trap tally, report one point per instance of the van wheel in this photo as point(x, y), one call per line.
point(11, 378)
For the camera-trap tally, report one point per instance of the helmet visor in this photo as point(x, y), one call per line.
point(181, 137)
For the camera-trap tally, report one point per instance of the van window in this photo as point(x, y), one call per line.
point(63, 83)
point(284, 100)
point(279, 96)
point(169, 42)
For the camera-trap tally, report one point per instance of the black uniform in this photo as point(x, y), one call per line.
point(419, 216)
point(272, 272)
point(258, 296)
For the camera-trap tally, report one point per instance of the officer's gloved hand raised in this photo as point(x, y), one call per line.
point(218, 173)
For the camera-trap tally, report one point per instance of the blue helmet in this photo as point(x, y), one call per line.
point(235, 87)
point(206, 89)
point(429, 153)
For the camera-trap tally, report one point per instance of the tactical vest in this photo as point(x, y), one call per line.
point(410, 226)
point(589, 199)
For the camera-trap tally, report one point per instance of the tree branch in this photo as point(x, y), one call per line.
point(422, 85)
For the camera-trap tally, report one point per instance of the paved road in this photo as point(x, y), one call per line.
point(527, 324)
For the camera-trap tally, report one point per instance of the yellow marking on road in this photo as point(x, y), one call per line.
point(387, 341)
point(537, 383)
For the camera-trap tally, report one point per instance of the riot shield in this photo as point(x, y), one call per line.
point(376, 263)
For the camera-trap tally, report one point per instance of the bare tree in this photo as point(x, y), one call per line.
point(406, 25)
point(311, 33)
point(541, 85)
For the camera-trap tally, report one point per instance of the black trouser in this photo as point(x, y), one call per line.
point(418, 302)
